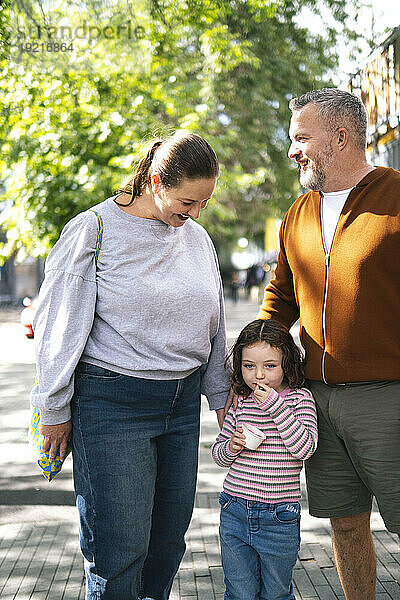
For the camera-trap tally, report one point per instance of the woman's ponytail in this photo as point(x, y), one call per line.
point(136, 186)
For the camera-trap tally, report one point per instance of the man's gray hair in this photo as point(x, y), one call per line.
point(338, 109)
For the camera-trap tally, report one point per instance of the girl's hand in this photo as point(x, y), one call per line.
point(237, 441)
point(261, 393)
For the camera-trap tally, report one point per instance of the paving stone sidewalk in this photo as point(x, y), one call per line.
point(39, 553)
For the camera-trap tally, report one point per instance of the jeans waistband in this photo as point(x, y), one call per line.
point(84, 366)
point(258, 503)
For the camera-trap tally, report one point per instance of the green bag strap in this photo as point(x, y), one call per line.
point(99, 234)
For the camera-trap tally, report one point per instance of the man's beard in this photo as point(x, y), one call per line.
point(314, 177)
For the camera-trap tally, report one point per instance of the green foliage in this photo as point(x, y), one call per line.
point(75, 117)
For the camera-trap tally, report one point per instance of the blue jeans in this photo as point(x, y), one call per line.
point(135, 449)
point(259, 546)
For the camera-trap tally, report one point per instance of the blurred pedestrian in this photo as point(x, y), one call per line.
point(235, 286)
point(251, 279)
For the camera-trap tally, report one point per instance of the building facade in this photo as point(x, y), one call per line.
point(378, 85)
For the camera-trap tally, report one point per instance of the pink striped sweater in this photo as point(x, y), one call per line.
point(272, 472)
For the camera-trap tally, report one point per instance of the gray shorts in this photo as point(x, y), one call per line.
point(358, 454)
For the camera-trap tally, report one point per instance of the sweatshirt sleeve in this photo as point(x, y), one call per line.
point(279, 298)
point(215, 377)
point(220, 449)
point(64, 317)
point(297, 425)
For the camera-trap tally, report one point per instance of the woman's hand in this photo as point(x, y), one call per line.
point(231, 400)
point(56, 438)
point(237, 441)
point(220, 416)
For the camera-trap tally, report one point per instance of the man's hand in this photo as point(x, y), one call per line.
point(261, 393)
point(56, 438)
point(237, 441)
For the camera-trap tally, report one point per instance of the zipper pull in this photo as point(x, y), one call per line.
point(327, 259)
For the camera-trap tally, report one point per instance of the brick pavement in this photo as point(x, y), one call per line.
point(39, 553)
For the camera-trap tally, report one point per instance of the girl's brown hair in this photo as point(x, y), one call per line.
point(180, 156)
point(277, 336)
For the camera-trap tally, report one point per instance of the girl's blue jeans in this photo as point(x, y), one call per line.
point(135, 449)
point(259, 547)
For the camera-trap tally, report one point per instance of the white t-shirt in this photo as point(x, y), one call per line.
point(331, 207)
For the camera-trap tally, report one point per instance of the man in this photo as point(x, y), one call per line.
point(339, 271)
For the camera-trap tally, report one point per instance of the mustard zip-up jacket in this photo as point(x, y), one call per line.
point(348, 302)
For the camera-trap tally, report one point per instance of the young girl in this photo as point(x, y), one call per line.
point(260, 510)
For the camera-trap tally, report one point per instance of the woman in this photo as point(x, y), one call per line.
point(126, 346)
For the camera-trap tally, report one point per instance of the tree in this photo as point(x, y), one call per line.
point(104, 76)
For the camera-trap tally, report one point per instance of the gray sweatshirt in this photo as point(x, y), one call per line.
point(153, 307)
